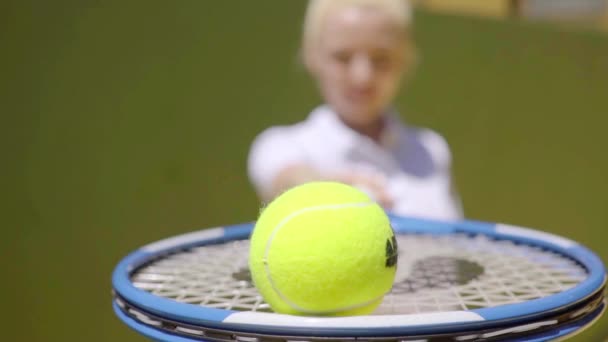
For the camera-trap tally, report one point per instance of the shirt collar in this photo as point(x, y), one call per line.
point(389, 138)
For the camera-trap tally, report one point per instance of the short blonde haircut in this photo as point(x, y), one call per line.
point(318, 10)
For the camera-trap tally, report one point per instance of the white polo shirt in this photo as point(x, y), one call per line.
point(415, 162)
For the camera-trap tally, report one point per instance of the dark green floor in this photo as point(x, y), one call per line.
point(126, 122)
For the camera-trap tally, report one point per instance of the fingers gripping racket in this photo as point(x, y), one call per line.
point(464, 281)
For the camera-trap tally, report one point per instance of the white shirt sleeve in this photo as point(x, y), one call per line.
point(438, 147)
point(271, 152)
point(442, 155)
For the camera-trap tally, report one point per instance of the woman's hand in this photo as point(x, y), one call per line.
point(375, 186)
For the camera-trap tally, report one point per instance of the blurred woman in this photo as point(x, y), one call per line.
point(358, 52)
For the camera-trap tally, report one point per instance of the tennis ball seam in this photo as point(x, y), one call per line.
point(284, 222)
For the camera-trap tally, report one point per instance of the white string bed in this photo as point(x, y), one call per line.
point(434, 274)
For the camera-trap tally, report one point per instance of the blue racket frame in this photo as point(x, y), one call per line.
point(268, 323)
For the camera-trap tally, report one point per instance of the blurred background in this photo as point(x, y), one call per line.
point(125, 122)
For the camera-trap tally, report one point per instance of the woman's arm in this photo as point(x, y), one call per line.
point(296, 174)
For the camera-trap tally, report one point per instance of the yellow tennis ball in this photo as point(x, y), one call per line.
point(323, 249)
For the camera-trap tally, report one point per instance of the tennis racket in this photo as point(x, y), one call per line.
point(462, 281)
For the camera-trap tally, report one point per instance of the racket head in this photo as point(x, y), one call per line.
point(131, 300)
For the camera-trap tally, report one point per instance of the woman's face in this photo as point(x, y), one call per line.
point(358, 61)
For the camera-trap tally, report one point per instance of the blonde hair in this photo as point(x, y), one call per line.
point(318, 10)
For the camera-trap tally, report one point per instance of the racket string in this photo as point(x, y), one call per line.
point(435, 273)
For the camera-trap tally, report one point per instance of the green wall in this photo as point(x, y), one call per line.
point(126, 122)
